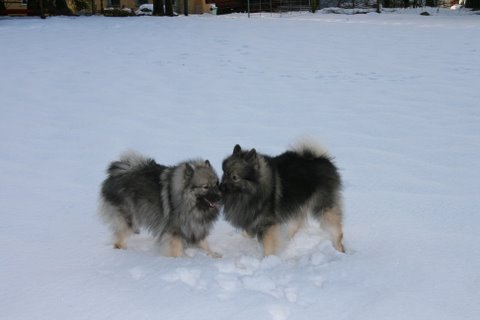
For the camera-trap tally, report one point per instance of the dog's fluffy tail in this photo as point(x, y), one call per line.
point(129, 160)
point(309, 148)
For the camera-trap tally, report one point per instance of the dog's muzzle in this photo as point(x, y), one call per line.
point(213, 199)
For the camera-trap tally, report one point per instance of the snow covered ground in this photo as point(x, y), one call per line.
point(393, 96)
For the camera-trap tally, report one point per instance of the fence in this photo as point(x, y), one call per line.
point(306, 5)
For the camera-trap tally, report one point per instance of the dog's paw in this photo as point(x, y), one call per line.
point(118, 245)
point(214, 254)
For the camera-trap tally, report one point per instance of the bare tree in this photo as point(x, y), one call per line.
point(53, 7)
point(169, 8)
point(313, 5)
point(158, 9)
point(474, 4)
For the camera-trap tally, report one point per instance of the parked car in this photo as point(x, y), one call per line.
point(144, 10)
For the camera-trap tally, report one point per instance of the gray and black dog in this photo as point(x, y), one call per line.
point(180, 202)
point(261, 192)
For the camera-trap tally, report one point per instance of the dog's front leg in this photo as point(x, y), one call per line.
point(175, 246)
point(271, 240)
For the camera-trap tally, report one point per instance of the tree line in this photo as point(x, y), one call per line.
point(60, 7)
point(165, 7)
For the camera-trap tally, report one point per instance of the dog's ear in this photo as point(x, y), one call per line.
point(237, 149)
point(188, 173)
point(252, 155)
point(208, 163)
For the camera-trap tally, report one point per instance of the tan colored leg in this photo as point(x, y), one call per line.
point(175, 246)
point(203, 244)
point(295, 224)
point(331, 221)
point(120, 237)
point(271, 240)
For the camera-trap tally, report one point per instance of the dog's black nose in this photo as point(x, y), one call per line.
point(215, 197)
point(222, 187)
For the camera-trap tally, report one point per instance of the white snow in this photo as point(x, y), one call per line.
point(393, 96)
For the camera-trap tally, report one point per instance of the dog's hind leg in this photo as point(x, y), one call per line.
point(121, 231)
point(203, 244)
point(119, 223)
point(331, 222)
point(296, 224)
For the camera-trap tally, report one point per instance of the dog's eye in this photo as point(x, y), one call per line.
point(235, 178)
point(205, 187)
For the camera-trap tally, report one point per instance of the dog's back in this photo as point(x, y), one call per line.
point(131, 177)
point(128, 162)
point(304, 174)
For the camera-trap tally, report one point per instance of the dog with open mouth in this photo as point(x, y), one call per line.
point(177, 203)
